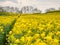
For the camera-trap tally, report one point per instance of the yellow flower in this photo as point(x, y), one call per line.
point(40, 28)
point(15, 44)
point(11, 44)
point(49, 26)
point(48, 39)
point(29, 39)
point(50, 34)
point(32, 44)
point(42, 43)
point(58, 33)
point(37, 41)
point(43, 35)
point(17, 41)
point(18, 32)
point(10, 32)
point(56, 42)
point(41, 24)
point(29, 31)
point(36, 36)
point(23, 39)
point(12, 38)
point(1, 30)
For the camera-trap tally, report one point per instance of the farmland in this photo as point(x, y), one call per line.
point(30, 29)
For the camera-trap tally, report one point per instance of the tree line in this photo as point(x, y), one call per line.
point(25, 9)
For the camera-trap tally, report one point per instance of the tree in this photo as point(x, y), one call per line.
point(1, 9)
point(35, 10)
point(50, 9)
point(27, 9)
point(16, 10)
point(7, 9)
point(30, 9)
point(59, 8)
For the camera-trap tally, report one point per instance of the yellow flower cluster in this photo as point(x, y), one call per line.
point(35, 30)
point(5, 22)
point(1, 30)
point(1, 34)
point(7, 19)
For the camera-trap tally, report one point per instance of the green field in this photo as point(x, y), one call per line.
point(30, 29)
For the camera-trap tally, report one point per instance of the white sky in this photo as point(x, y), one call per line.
point(40, 4)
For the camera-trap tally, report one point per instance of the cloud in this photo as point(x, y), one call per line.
point(9, 0)
point(8, 3)
point(40, 4)
point(15, 1)
point(27, 2)
point(2, 0)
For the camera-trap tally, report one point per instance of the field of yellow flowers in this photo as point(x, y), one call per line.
point(35, 30)
point(5, 25)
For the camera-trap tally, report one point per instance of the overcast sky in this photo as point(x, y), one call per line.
point(40, 4)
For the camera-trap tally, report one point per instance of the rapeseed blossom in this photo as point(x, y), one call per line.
point(35, 30)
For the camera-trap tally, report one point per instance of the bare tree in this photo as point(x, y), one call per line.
point(7, 9)
point(27, 9)
point(1, 9)
point(50, 9)
point(59, 8)
point(11, 9)
point(35, 10)
point(17, 10)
